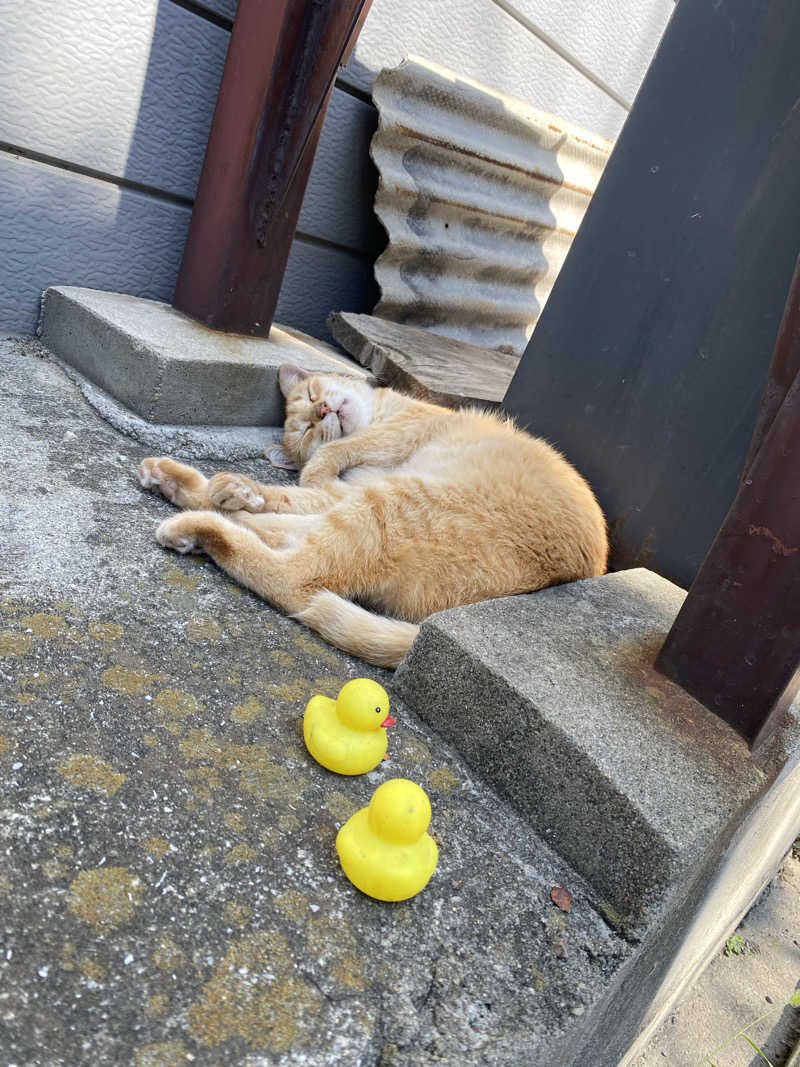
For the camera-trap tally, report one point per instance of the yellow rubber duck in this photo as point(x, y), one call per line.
point(384, 849)
point(348, 735)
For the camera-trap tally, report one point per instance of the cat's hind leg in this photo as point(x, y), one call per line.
point(311, 580)
point(277, 531)
point(276, 575)
point(180, 484)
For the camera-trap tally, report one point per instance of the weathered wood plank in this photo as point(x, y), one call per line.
point(647, 364)
point(425, 364)
point(735, 645)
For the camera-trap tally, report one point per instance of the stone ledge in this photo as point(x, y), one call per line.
point(552, 699)
point(169, 369)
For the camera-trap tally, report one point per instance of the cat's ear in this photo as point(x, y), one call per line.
point(279, 458)
point(289, 376)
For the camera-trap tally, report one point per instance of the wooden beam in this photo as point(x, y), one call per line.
point(278, 77)
point(735, 645)
point(425, 364)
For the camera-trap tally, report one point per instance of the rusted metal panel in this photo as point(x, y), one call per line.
point(278, 77)
point(783, 370)
point(648, 363)
point(735, 645)
point(481, 196)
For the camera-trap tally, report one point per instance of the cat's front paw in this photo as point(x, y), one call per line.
point(235, 492)
point(180, 484)
point(153, 476)
point(316, 473)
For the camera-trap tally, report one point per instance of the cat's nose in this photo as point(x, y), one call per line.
point(323, 409)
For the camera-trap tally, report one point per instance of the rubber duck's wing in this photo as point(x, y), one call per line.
point(320, 705)
point(327, 739)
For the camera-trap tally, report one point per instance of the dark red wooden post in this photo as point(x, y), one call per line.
point(278, 77)
point(735, 644)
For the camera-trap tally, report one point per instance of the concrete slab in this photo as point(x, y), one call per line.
point(553, 700)
point(196, 442)
point(169, 889)
point(169, 369)
point(705, 910)
point(646, 793)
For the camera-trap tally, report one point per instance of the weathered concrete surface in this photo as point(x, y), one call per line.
point(552, 698)
point(169, 881)
point(193, 442)
point(167, 368)
point(721, 892)
point(739, 988)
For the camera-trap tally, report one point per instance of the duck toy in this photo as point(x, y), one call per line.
point(348, 735)
point(384, 848)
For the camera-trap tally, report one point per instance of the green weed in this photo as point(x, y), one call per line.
point(708, 1060)
point(735, 946)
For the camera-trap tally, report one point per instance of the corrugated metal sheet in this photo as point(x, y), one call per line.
point(481, 196)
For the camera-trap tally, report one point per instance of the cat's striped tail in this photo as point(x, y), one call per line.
point(375, 638)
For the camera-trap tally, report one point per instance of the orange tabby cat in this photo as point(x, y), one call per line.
point(403, 506)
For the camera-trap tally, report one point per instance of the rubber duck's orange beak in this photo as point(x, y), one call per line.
point(389, 721)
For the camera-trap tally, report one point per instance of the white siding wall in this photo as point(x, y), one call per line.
point(105, 111)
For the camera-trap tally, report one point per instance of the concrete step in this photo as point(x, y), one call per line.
point(167, 368)
point(552, 700)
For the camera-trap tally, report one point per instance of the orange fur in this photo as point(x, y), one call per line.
point(404, 507)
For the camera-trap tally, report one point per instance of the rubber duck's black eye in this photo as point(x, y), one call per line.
point(379, 711)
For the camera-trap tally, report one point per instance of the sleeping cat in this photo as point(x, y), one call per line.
point(403, 507)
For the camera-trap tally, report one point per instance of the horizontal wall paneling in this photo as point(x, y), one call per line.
point(62, 228)
point(126, 89)
point(130, 93)
point(615, 41)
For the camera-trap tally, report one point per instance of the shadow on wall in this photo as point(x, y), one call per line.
point(74, 230)
point(178, 96)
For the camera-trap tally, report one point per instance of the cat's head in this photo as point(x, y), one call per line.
point(319, 408)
